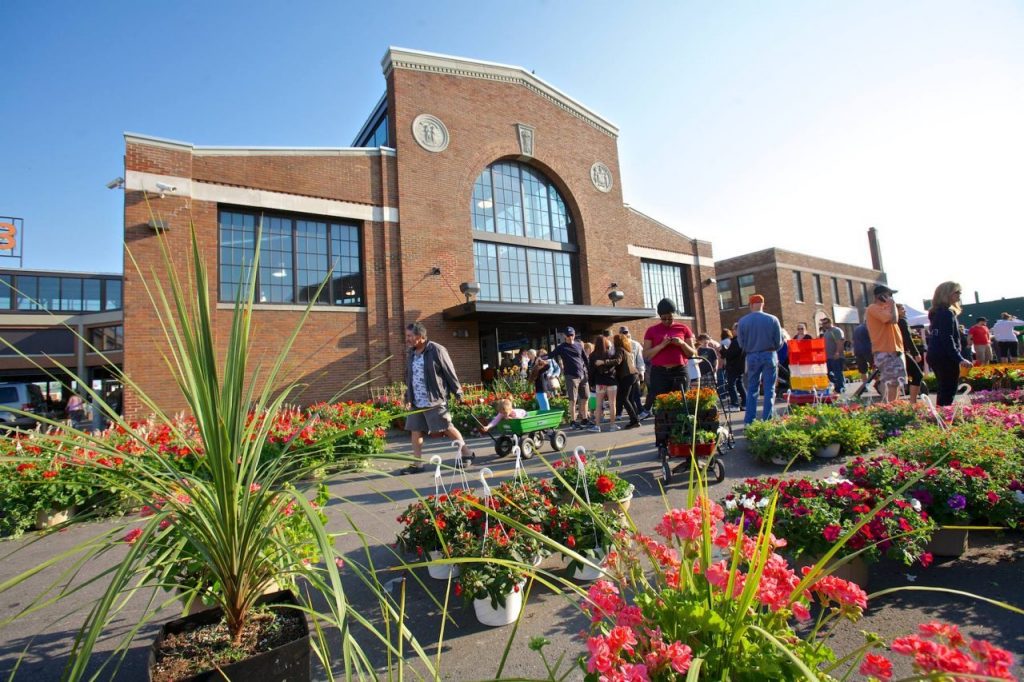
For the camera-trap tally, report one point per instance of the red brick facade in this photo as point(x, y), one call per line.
point(773, 278)
point(480, 105)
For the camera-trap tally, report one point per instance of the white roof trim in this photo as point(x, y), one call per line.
point(257, 198)
point(417, 60)
point(135, 138)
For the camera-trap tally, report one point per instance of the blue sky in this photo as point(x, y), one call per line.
point(748, 124)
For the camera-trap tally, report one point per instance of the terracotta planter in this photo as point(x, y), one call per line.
point(855, 571)
point(503, 615)
point(286, 663)
point(442, 571)
point(948, 542)
point(53, 517)
point(830, 451)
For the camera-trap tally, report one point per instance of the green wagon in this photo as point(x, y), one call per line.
point(532, 430)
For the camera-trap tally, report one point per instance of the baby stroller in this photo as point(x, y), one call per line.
point(706, 418)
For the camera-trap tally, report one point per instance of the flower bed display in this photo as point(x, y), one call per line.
point(813, 514)
point(42, 471)
point(811, 428)
point(988, 377)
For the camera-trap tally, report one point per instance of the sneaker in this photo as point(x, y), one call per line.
point(644, 415)
point(575, 426)
point(411, 469)
point(631, 425)
point(613, 427)
point(594, 428)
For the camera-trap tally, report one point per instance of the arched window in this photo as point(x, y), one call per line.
point(515, 209)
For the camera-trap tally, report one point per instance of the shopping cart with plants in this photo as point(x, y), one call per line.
point(687, 429)
point(531, 431)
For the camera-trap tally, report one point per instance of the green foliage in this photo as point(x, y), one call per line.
point(776, 438)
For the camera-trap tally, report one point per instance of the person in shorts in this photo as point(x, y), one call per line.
point(429, 378)
point(887, 342)
point(573, 359)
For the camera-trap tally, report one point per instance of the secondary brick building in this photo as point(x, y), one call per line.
point(477, 198)
point(798, 288)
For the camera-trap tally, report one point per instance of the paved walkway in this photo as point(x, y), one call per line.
point(371, 501)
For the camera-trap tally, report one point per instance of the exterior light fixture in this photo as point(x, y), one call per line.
point(615, 296)
point(470, 289)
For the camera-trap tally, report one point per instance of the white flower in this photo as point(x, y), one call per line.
point(1019, 496)
point(836, 479)
point(731, 504)
point(747, 502)
point(762, 503)
point(915, 504)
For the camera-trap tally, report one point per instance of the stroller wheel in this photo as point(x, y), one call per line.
point(717, 471)
point(503, 446)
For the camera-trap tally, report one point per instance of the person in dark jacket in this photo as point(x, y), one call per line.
point(735, 364)
point(604, 362)
point(944, 349)
point(627, 376)
point(912, 353)
point(429, 379)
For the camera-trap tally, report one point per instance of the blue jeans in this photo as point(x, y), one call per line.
point(542, 402)
point(761, 366)
point(835, 373)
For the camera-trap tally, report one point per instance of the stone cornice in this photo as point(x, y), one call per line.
point(430, 62)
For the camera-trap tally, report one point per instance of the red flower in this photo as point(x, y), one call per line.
point(360, 433)
point(879, 666)
point(132, 535)
point(49, 474)
point(604, 484)
point(571, 541)
point(458, 589)
point(832, 532)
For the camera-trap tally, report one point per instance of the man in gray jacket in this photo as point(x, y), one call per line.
point(429, 378)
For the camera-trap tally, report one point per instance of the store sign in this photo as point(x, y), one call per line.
point(844, 315)
point(11, 235)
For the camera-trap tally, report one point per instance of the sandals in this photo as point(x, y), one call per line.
point(470, 458)
point(411, 469)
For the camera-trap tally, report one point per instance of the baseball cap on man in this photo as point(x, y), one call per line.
point(882, 289)
point(569, 331)
point(623, 330)
point(756, 298)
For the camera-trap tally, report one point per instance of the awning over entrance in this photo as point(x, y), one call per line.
point(557, 315)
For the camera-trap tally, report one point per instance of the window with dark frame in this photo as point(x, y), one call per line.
point(296, 254)
point(798, 287)
point(666, 280)
point(849, 291)
point(107, 338)
point(864, 294)
point(747, 287)
point(519, 203)
point(817, 289)
point(56, 293)
point(725, 299)
point(835, 292)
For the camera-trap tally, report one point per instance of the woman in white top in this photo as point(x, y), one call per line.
point(1005, 337)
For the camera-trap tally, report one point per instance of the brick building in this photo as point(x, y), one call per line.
point(477, 198)
point(799, 288)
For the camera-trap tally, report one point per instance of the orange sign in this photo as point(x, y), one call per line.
point(8, 234)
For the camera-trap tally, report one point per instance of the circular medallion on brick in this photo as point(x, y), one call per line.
point(430, 133)
point(601, 177)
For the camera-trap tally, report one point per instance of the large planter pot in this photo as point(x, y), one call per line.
point(830, 451)
point(441, 571)
point(288, 662)
point(48, 518)
point(586, 572)
point(855, 570)
point(686, 450)
point(503, 615)
point(948, 542)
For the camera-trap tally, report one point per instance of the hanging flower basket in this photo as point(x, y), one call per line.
point(441, 571)
point(500, 614)
point(586, 572)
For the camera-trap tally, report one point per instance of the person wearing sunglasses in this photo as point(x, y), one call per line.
point(945, 355)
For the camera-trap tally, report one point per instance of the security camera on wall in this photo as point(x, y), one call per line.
point(163, 187)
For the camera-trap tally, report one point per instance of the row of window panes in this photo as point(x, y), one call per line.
point(515, 274)
point(664, 280)
point(798, 290)
point(59, 294)
point(513, 199)
point(747, 288)
point(295, 256)
point(107, 338)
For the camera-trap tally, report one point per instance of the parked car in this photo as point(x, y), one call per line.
point(20, 396)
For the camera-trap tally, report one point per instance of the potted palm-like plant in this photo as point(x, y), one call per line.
point(218, 528)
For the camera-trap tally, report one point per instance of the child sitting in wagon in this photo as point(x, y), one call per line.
point(505, 411)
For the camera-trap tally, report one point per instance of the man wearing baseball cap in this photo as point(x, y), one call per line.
point(573, 359)
point(882, 319)
point(760, 335)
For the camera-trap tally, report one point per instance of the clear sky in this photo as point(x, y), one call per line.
point(748, 124)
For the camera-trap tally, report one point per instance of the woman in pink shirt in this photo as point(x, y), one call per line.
point(667, 347)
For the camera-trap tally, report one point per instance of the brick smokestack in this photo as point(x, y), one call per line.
point(876, 250)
